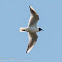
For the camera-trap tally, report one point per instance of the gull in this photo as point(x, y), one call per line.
point(32, 29)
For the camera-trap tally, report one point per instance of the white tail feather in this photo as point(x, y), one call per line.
point(22, 29)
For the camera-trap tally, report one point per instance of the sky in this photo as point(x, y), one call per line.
point(13, 43)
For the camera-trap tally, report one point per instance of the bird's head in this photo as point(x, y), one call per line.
point(41, 29)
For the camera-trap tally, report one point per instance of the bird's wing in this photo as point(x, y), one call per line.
point(32, 40)
point(33, 18)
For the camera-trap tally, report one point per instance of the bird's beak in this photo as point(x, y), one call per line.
point(42, 30)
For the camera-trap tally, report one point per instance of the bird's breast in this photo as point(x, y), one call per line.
point(31, 29)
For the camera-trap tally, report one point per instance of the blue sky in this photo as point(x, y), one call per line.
point(13, 44)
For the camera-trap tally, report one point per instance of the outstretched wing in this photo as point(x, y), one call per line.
point(32, 40)
point(33, 18)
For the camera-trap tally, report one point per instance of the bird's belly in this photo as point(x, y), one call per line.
point(32, 30)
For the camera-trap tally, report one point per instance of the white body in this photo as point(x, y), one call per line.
point(30, 29)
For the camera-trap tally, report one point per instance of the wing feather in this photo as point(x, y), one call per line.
point(32, 40)
point(33, 18)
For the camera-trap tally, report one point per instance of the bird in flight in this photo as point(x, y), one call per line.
point(32, 29)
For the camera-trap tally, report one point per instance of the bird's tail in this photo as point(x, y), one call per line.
point(22, 29)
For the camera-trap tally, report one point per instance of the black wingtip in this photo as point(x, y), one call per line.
point(29, 6)
point(26, 51)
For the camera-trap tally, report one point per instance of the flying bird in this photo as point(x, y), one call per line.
point(32, 29)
